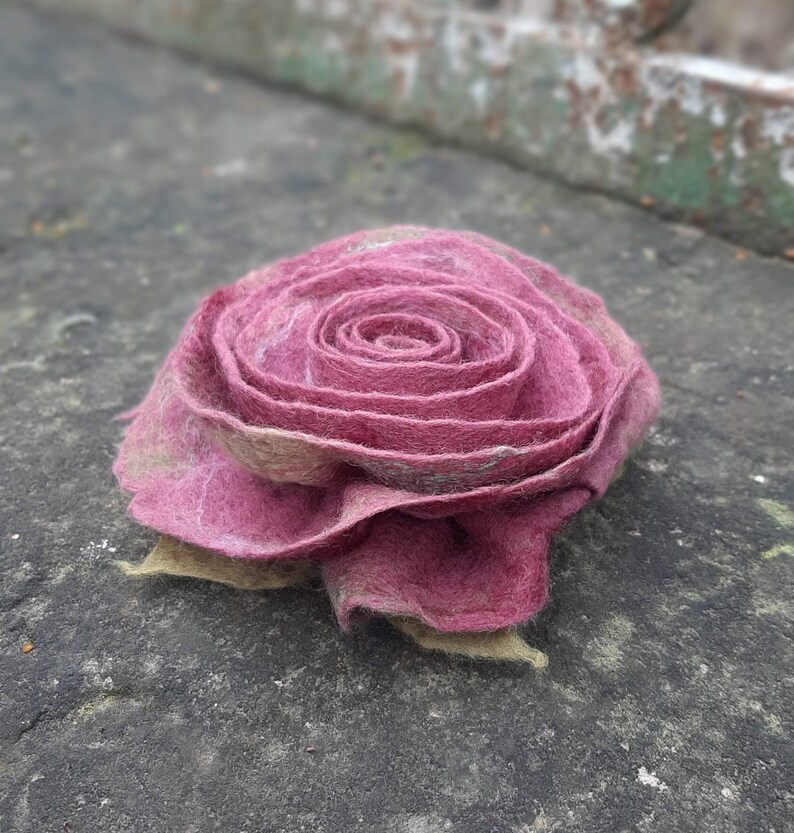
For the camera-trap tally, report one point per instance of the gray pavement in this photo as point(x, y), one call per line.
point(132, 181)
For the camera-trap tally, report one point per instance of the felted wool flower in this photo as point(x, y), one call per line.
point(411, 413)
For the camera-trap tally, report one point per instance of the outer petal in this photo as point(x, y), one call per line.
point(477, 572)
point(186, 487)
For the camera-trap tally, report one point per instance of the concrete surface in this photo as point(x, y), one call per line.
point(131, 182)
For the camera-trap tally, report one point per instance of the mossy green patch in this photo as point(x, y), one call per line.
point(779, 549)
point(781, 514)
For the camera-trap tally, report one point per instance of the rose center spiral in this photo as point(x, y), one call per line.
point(395, 336)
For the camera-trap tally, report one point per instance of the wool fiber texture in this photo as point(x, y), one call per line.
point(413, 412)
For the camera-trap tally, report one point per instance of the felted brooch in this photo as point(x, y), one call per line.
point(407, 414)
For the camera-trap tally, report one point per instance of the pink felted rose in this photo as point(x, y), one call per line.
point(416, 411)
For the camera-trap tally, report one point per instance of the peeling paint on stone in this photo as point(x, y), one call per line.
point(559, 87)
point(787, 166)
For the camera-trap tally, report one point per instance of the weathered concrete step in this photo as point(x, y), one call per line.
point(574, 96)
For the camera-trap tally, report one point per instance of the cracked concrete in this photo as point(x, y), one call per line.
point(133, 181)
